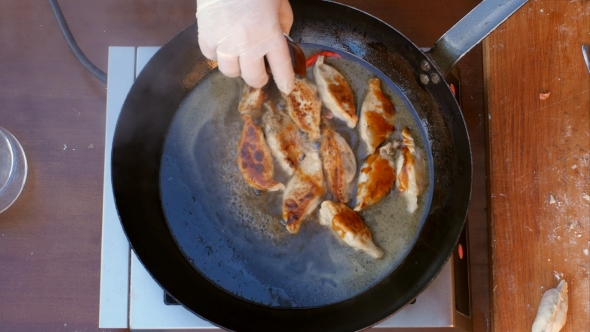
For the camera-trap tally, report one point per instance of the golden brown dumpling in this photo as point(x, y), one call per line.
point(282, 136)
point(377, 177)
point(255, 158)
point(377, 114)
point(335, 92)
point(349, 227)
point(410, 171)
point(304, 192)
point(339, 164)
point(304, 107)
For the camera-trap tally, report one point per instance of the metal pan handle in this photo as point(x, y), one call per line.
point(470, 30)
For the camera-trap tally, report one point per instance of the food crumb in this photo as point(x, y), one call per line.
point(571, 225)
point(586, 197)
point(65, 147)
point(586, 252)
point(91, 146)
point(552, 200)
point(574, 166)
point(544, 95)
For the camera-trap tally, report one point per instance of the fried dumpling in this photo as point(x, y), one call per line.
point(304, 191)
point(255, 159)
point(349, 227)
point(377, 114)
point(251, 100)
point(339, 164)
point(304, 107)
point(410, 166)
point(282, 136)
point(377, 177)
point(335, 92)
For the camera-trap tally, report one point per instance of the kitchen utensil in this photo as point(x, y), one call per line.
point(297, 57)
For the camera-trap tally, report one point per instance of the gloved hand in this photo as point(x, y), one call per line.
point(239, 33)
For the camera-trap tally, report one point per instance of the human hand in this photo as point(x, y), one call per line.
point(240, 33)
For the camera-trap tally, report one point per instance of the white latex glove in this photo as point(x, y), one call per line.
point(239, 33)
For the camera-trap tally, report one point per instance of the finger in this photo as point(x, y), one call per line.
point(280, 65)
point(285, 16)
point(228, 65)
point(253, 71)
point(208, 51)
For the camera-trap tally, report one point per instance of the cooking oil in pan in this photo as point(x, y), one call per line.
point(233, 235)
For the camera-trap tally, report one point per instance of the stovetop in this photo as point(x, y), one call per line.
point(130, 298)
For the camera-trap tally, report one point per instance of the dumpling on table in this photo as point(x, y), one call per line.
point(339, 164)
point(377, 177)
point(552, 312)
point(255, 159)
point(303, 192)
point(282, 136)
point(304, 107)
point(411, 169)
point(251, 100)
point(335, 92)
point(377, 115)
point(349, 227)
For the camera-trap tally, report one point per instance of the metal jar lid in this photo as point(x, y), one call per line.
point(13, 169)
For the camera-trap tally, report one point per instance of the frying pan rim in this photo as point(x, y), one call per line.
point(468, 195)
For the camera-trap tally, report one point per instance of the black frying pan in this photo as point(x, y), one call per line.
point(150, 216)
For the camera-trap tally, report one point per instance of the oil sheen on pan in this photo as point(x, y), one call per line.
point(232, 234)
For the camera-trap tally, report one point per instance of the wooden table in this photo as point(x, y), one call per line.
point(50, 238)
point(539, 161)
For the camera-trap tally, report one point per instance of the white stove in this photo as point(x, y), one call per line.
point(130, 298)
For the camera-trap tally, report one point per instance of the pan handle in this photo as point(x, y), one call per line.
point(470, 30)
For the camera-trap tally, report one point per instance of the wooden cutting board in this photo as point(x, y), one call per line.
point(538, 161)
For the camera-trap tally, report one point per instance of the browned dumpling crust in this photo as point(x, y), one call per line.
point(282, 136)
point(377, 177)
point(377, 115)
point(304, 107)
point(349, 227)
point(339, 165)
point(255, 159)
point(304, 192)
point(251, 100)
point(335, 92)
point(411, 169)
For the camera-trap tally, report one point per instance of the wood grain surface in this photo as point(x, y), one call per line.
point(539, 161)
point(50, 238)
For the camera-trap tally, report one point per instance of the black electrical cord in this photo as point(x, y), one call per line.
point(63, 25)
